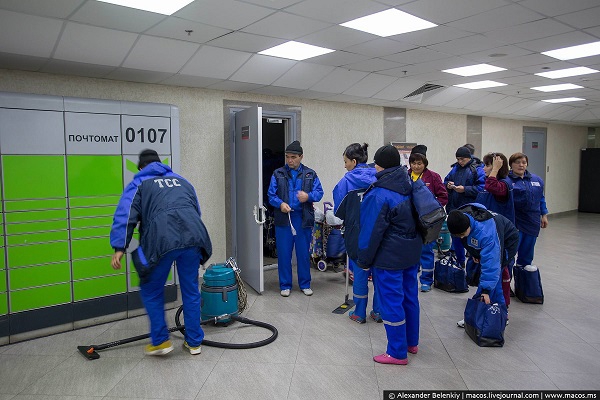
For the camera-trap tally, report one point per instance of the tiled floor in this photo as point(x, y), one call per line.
point(320, 355)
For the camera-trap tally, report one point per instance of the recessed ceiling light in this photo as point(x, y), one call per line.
point(471, 70)
point(295, 51)
point(155, 6)
point(570, 53)
point(480, 85)
point(388, 23)
point(564, 73)
point(555, 88)
point(563, 100)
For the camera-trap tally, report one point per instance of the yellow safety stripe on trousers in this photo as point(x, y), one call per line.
point(394, 323)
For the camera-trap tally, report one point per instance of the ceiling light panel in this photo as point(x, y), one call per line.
point(556, 88)
point(564, 73)
point(471, 70)
point(295, 51)
point(389, 23)
point(480, 85)
point(573, 52)
point(155, 6)
point(563, 100)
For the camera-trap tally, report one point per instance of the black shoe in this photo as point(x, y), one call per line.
point(512, 294)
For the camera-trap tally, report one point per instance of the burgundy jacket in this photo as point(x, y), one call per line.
point(434, 182)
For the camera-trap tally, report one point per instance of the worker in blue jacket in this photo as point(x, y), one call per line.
point(531, 212)
point(359, 176)
point(482, 236)
point(464, 182)
point(171, 229)
point(292, 191)
point(388, 242)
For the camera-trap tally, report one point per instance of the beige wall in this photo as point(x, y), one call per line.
point(327, 128)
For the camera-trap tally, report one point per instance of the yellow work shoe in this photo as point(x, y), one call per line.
point(162, 349)
point(193, 350)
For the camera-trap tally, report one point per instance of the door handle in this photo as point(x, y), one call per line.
point(263, 211)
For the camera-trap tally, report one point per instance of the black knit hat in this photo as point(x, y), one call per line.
point(146, 157)
point(387, 157)
point(420, 149)
point(294, 148)
point(463, 152)
point(457, 222)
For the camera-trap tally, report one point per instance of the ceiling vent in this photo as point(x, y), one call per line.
point(424, 92)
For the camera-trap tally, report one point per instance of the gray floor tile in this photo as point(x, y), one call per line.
point(332, 382)
point(81, 377)
point(467, 355)
point(283, 350)
point(540, 329)
point(333, 325)
point(503, 380)
point(51, 397)
point(586, 329)
point(285, 323)
point(248, 381)
point(7, 396)
point(334, 350)
point(578, 381)
point(18, 372)
point(562, 356)
point(296, 303)
point(401, 377)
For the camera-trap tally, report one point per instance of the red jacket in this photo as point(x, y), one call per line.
point(434, 182)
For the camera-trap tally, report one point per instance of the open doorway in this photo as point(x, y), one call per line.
point(274, 133)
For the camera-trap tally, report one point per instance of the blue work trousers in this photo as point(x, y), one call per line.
point(526, 246)
point(153, 295)
point(427, 263)
point(360, 290)
point(285, 243)
point(399, 296)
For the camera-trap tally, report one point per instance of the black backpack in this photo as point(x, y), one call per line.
point(430, 215)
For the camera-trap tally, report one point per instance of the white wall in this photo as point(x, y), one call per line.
point(327, 128)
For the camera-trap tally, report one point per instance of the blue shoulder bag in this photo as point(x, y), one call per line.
point(485, 323)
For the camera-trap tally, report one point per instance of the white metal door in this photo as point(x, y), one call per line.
point(249, 209)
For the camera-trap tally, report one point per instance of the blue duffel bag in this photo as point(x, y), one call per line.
point(335, 245)
point(485, 323)
point(528, 284)
point(449, 276)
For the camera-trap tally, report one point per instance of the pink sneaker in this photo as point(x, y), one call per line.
point(413, 349)
point(387, 359)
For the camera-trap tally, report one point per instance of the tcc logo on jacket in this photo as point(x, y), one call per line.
point(167, 182)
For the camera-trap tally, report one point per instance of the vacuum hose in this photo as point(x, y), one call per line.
point(181, 328)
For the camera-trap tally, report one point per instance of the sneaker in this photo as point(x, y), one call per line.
point(425, 288)
point(193, 350)
point(307, 291)
point(162, 349)
point(461, 323)
point(376, 316)
point(356, 318)
point(387, 359)
point(285, 292)
point(413, 349)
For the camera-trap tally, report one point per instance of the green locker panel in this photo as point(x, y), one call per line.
point(94, 201)
point(92, 211)
point(2, 265)
point(89, 248)
point(99, 287)
point(32, 227)
point(37, 237)
point(2, 281)
point(90, 268)
point(29, 299)
point(90, 222)
point(23, 278)
point(103, 231)
point(94, 175)
point(32, 216)
point(27, 205)
point(44, 177)
point(3, 303)
point(44, 253)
